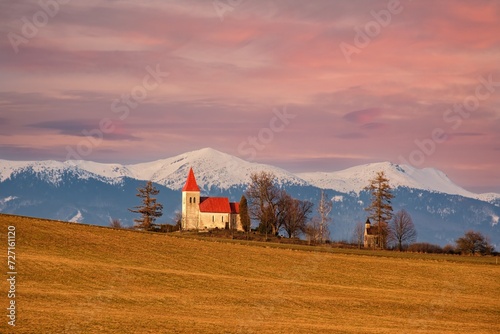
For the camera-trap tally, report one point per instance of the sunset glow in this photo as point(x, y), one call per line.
point(129, 81)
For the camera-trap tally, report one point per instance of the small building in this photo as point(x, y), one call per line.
point(375, 238)
point(205, 213)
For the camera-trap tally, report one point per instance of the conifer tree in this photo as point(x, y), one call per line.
point(380, 208)
point(150, 209)
point(244, 216)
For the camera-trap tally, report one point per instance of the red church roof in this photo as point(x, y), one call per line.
point(191, 182)
point(235, 207)
point(215, 205)
point(211, 204)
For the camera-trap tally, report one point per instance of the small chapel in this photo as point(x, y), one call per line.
point(206, 213)
point(372, 236)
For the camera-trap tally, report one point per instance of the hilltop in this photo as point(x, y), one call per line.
point(77, 278)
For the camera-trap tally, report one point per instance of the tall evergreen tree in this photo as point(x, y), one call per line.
point(244, 216)
point(150, 209)
point(380, 208)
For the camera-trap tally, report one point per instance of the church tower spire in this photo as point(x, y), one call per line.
point(191, 184)
point(190, 203)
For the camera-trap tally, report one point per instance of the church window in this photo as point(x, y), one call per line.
point(194, 199)
point(190, 200)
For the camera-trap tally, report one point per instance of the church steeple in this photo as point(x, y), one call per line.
point(190, 203)
point(191, 184)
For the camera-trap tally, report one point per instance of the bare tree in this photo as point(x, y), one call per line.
point(312, 230)
point(380, 208)
point(150, 209)
point(324, 232)
point(116, 223)
point(324, 208)
point(359, 233)
point(402, 230)
point(177, 220)
point(473, 242)
point(263, 200)
point(294, 214)
point(315, 232)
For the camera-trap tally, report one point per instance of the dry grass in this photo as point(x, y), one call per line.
point(84, 279)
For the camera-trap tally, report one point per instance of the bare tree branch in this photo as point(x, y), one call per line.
point(402, 230)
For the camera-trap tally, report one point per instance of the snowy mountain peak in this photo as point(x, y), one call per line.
point(49, 170)
point(355, 179)
point(215, 169)
point(211, 167)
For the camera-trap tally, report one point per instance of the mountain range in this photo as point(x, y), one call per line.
point(95, 193)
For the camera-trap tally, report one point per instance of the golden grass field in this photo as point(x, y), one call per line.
point(83, 279)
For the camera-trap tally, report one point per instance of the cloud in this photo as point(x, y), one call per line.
point(226, 77)
point(467, 134)
point(373, 126)
point(83, 128)
point(19, 152)
point(351, 135)
point(363, 116)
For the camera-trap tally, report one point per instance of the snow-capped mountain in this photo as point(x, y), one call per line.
point(355, 179)
point(213, 168)
point(95, 193)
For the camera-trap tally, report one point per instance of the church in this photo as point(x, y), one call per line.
point(372, 236)
point(206, 213)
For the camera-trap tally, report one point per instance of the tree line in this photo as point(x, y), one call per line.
point(279, 214)
point(398, 230)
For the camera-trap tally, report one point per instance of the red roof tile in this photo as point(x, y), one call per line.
point(191, 182)
point(235, 207)
point(215, 205)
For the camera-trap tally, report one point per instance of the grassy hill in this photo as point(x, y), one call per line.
point(84, 279)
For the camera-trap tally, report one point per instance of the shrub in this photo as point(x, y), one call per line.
point(449, 249)
point(424, 247)
point(473, 242)
point(116, 223)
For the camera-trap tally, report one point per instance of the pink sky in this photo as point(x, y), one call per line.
point(228, 77)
